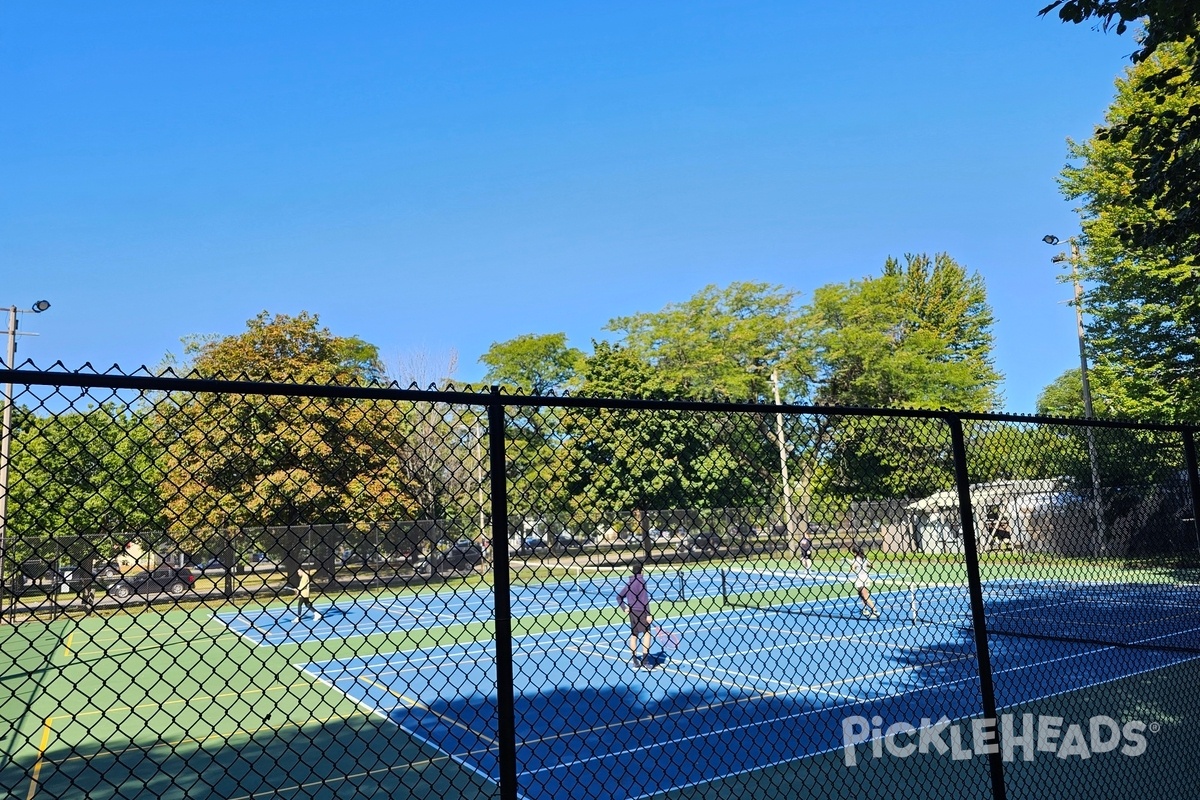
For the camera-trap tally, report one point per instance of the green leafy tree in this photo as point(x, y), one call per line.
point(999, 451)
point(1136, 181)
point(1165, 20)
point(84, 473)
point(1128, 466)
point(722, 343)
point(1063, 397)
point(636, 460)
point(538, 364)
point(266, 460)
point(1142, 298)
point(917, 336)
point(1160, 134)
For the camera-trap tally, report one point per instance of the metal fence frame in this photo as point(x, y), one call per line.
point(496, 403)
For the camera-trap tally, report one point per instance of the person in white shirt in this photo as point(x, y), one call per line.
point(860, 572)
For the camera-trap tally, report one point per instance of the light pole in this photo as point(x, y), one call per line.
point(10, 362)
point(1088, 412)
point(478, 455)
point(788, 512)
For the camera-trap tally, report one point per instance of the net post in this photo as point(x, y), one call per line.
point(912, 602)
point(975, 587)
point(724, 589)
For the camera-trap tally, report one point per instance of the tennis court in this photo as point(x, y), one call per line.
point(590, 724)
point(172, 704)
point(1090, 590)
point(587, 590)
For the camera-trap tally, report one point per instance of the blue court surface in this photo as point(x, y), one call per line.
point(278, 624)
point(588, 724)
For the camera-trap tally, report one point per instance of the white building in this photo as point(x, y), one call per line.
point(1043, 515)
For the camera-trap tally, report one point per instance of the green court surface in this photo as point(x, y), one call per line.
point(176, 705)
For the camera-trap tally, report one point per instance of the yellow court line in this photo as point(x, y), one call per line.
point(37, 765)
point(67, 645)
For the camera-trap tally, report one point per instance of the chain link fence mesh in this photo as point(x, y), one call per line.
point(236, 590)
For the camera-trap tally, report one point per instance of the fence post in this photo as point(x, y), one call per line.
point(1193, 476)
point(975, 589)
point(506, 729)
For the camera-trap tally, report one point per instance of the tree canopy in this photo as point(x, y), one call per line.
point(284, 347)
point(85, 472)
point(535, 363)
point(635, 459)
point(1143, 296)
point(722, 343)
point(1160, 132)
point(1166, 20)
point(264, 460)
point(918, 335)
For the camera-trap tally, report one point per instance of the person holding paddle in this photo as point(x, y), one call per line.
point(634, 598)
point(860, 571)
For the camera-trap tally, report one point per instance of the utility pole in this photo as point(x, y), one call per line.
point(1088, 412)
point(788, 511)
point(10, 362)
point(1093, 456)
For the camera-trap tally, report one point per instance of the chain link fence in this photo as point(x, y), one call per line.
point(240, 590)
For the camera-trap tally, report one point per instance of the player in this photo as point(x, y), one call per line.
point(634, 598)
point(806, 554)
point(860, 571)
point(300, 579)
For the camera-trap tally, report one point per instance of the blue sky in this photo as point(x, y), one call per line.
point(437, 177)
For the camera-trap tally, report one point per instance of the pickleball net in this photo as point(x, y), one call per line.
point(830, 596)
point(1138, 615)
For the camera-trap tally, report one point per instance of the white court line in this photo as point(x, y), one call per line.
point(760, 693)
point(571, 636)
point(817, 636)
point(775, 720)
point(576, 635)
point(744, 726)
point(457, 758)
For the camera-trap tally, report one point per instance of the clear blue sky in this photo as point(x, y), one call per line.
point(437, 177)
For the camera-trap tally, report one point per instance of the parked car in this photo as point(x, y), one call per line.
point(530, 546)
point(172, 580)
point(108, 571)
point(569, 544)
point(459, 558)
point(704, 543)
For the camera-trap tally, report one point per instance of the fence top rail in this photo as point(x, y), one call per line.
point(486, 396)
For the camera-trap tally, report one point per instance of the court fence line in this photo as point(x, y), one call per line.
point(364, 536)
